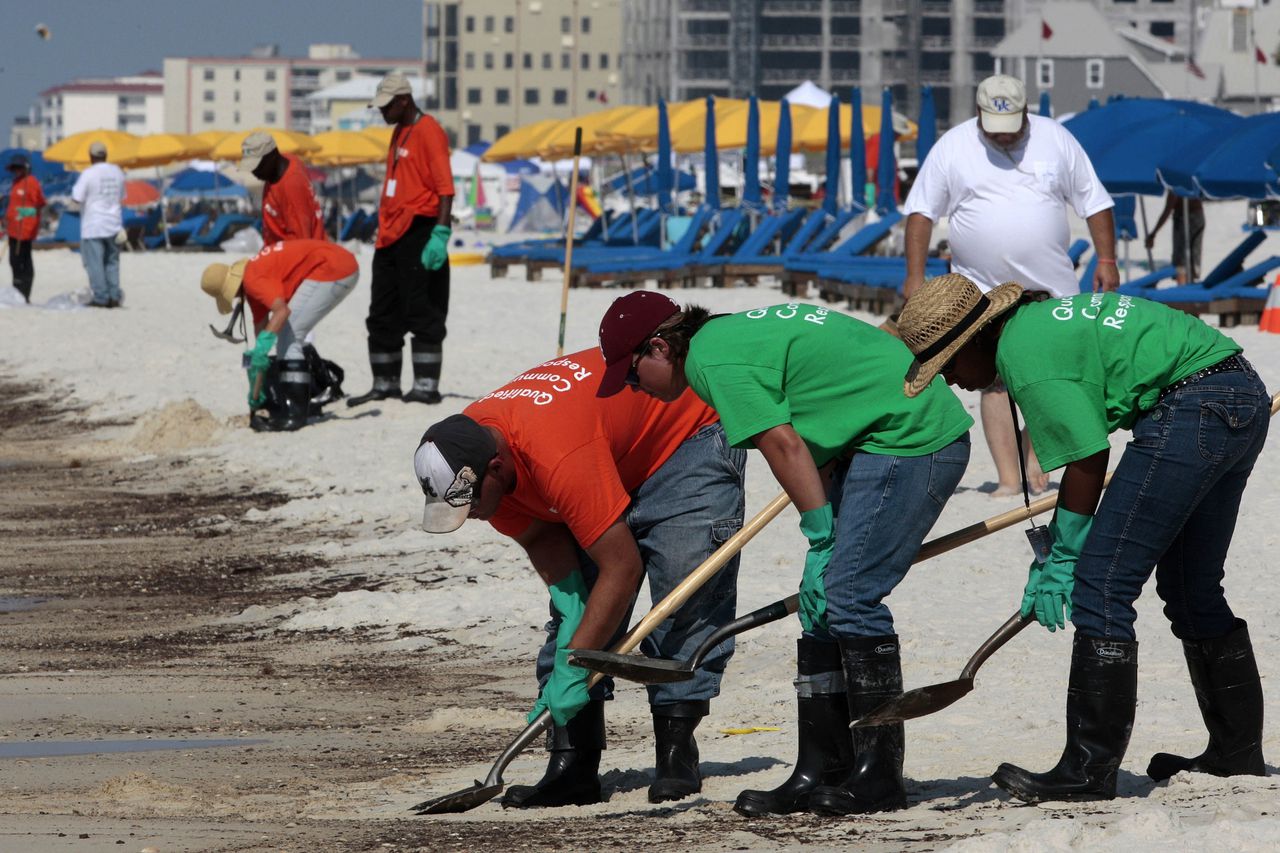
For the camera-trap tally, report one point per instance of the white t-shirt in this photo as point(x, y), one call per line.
point(1007, 210)
point(99, 190)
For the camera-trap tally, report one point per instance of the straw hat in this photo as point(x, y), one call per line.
point(222, 282)
point(941, 317)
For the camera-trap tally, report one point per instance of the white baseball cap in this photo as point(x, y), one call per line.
point(1001, 102)
point(255, 146)
point(390, 86)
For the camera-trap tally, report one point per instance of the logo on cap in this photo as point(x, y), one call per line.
point(1002, 105)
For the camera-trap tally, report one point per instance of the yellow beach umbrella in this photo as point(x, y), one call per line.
point(73, 150)
point(380, 135)
point(811, 134)
point(596, 138)
point(159, 149)
point(345, 148)
point(521, 142)
point(287, 141)
point(213, 137)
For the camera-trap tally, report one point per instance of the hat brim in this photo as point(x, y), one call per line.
point(440, 517)
point(1001, 122)
point(248, 164)
point(230, 286)
point(614, 378)
point(920, 374)
point(381, 99)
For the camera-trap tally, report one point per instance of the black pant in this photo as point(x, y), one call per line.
point(407, 297)
point(24, 272)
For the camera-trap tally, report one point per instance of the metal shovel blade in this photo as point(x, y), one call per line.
point(662, 671)
point(460, 801)
point(928, 700)
point(228, 334)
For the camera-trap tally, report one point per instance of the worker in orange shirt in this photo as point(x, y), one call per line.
point(22, 222)
point(289, 287)
point(410, 289)
point(600, 493)
point(289, 207)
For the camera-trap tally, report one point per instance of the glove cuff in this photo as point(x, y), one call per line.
point(817, 524)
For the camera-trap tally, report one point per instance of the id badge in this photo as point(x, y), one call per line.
point(1041, 542)
point(391, 188)
point(244, 360)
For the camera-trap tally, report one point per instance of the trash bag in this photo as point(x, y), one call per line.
point(326, 384)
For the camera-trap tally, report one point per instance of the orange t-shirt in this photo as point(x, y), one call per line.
point(289, 207)
point(277, 270)
point(418, 174)
point(25, 193)
point(577, 456)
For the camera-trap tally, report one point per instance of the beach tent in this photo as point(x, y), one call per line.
point(808, 94)
point(540, 206)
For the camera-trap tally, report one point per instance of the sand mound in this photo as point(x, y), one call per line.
point(178, 426)
point(452, 719)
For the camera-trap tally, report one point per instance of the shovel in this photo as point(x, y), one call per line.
point(928, 700)
point(648, 670)
point(228, 333)
point(482, 792)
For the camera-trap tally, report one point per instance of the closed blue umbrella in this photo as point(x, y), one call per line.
point(665, 178)
point(711, 159)
point(1046, 108)
point(831, 195)
point(782, 158)
point(885, 168)
point(1128, 165)
point(927, 135)
point(857, 152)
point(751, 162)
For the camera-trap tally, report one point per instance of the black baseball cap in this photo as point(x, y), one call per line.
point(450, 464)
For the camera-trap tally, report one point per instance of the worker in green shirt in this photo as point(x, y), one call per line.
point(817, 392)
point(1079, 368)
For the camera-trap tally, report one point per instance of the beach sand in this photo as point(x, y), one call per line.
point(201, 581)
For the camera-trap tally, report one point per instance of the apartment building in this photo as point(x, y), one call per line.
point(263, 88)
point(134, 104)
point(499, 64)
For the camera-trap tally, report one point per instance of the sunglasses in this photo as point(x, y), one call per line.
point(632, 379)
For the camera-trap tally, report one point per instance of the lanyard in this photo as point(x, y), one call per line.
point(395, 146)
point(1038, 535)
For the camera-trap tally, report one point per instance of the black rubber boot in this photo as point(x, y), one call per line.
point(873, 676)
point(386, 378)
point(294, 384)
point(572, 777)
point(1229, 692)
point(427, 361)
point(1102, 693)
point(676, 773)
point(825, 752)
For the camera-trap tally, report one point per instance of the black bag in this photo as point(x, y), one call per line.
point(326, 383)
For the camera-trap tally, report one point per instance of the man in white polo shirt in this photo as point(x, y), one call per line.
point(1003, 180)
point(99, 191)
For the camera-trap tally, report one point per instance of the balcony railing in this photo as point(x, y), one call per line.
point(704, 73)
point(790, 41)
point(846, 41)
point(935, 42)
point(988, 7)
point(791, 7)
point(702, 41)
point(706, 6)
point(986, 41)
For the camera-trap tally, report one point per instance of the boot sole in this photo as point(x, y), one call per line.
point(671, 791)
point(754, 807)
point(836, 808)
point(1020, 789)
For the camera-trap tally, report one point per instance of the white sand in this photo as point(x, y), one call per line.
point(352, 475)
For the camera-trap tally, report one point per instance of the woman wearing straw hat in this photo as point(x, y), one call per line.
point(1081, 367)
point(817, 393)
point(289, 287)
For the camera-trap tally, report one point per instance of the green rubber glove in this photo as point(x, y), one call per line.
point(256, 402)
point(436, 252)
point(260, 355)
point(565, 693)
point(818, 526)
point(26, 212)
point(1048, 591)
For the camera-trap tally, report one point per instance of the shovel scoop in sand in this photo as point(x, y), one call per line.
point(929, 700)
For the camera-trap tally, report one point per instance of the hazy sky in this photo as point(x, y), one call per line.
point(106, 38)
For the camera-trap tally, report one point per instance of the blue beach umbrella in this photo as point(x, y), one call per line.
point(1129, 164)
point(831, 195)
point(711, 159)
point(1098, 128)
point(927, 135)
point(1046, 108)
point(885, 168)
point(751, 162)
point(1237, 166)
point(857, 152)
point(665, 178)
point(782, 158)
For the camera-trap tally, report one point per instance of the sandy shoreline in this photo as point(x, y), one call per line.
point(384, 666)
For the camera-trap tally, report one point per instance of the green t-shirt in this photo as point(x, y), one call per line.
point(836, 380)
point(1082, 367)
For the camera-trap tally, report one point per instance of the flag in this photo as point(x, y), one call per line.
point(1195, 69)
point(1046, 31)
point(602, 97)
point(1259, 55)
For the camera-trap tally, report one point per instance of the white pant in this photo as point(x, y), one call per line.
point(311, 303)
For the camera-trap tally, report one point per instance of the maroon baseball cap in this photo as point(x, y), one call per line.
point(629, 322)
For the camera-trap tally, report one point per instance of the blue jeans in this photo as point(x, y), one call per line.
point(884, 508)
point(680, 516)
point(101, 259)
point(1172, 506)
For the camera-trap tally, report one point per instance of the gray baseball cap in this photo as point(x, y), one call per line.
point(1001, 100)
point(392, 85)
